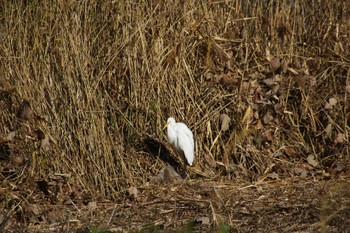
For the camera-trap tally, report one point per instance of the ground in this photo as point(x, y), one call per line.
point(192, 205)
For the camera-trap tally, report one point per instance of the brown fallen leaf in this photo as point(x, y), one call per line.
point(209, 159)
point(25, 112)
point(311, 160)
point(167, 174)
point(229, 79)
point(275, 64)
point(275, 88)
point(298, 170)
point(268, 117)
point(267, 136)
point(273, 176)
point(328, 130)
point(301, 81)
point(255, 75)
point(303, 173)
point(18, 160)
point(92, 205)
point(133, 192)
point(311, 79)
point(170, 174)
point(279, 108)
point(45, 143)
point(258, 125)
point(225, 122)
point(208, 75)
point(171, 57)
point(328, 106)
point(203, 220)
point(269, 81)
point(217, 78)
point(340, 138)
point(34, 209)
point(245, 88)
point(340, 167)
point(10, 136)
point(289, 151)
point(330, 103)
point(285, 67)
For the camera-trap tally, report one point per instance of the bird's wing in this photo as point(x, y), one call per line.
point(186, 142)
point(186, 131)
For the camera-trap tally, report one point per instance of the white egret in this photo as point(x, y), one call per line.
point(182, 139)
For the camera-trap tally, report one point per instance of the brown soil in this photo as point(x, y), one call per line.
point(193, 205)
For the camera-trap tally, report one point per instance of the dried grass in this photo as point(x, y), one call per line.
point(101, 76)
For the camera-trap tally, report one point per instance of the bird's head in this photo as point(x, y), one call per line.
point(170, 121)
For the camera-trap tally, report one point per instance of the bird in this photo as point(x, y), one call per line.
point(181, 137)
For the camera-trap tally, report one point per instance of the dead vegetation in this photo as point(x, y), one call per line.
point(263, 87)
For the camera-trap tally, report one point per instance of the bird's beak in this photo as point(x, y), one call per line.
point(165, 126)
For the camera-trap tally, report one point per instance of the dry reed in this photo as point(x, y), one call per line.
point(102, 75)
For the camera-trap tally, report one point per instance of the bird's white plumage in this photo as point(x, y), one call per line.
point(182, 138)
